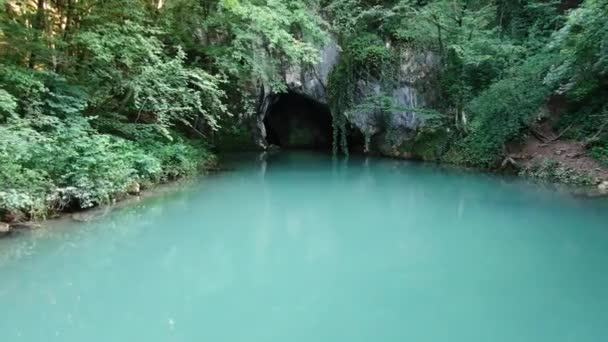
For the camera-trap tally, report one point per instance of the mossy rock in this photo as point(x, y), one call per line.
point(431, 147)
point(426, 146)
point(240, 139)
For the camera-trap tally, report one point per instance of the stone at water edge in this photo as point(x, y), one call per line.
point(25, 226)
point(603, 186)
point(4, 228)
point(134, 189)
point(272, 147)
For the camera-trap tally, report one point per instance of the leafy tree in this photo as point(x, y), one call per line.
point(96, 95)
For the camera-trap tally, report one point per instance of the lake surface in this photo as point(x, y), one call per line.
point(299, 247)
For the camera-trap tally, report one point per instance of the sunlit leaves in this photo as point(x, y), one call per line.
point(268, 35)
point(8, 104)
point(173, 93)
point(583, 44)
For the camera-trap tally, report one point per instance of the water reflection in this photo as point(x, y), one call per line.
point(302, 246)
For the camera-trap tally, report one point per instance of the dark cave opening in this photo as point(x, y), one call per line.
point(297, 122)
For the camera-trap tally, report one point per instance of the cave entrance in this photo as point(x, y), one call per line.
point(298, 122)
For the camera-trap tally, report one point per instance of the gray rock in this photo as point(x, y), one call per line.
point(413, 90)
point(312, 81)
point(273, 148)
point(309, 81)
point(82, 217)
point(134, 188)
point(25, 226)
point(603, 187)
point(4, 228)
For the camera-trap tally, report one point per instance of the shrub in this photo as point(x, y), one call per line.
point(69, 165)
point(551, 170)
point(504, 110)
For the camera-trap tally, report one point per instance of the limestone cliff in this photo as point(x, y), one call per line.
point(412, 90)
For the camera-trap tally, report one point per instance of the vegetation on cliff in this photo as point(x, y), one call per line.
point(503, 72)
point(499, 63)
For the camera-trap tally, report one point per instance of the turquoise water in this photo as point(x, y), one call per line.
point(297, 247)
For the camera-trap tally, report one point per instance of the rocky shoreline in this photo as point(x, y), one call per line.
point(136, 193)
point(7, 229)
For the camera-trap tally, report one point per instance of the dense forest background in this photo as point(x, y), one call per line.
point(101, 97)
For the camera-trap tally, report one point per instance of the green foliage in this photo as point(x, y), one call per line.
point(174, 93)
point(134, 77)
point(91, 102)
point(176, 159)
point(70, 165)
point(235, 135)
point(366, 58)
point(97, 95)
point(550, 170)
point(8, 105)
point(582, 45)
point(499, 61)
point(429, 145)
point(251, 41)
point(600, 153)
point(504, 110)
point(369, 55)
point(581, 75)
point(341, 92)
point(470, 50)
point(344, 15)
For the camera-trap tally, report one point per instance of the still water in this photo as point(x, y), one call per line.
point(299, 247)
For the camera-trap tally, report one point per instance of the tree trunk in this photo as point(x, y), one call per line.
point(68, 19)
point(38, 26)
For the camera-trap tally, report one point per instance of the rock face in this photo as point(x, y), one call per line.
point(296, 121)
point(413, 91)
point(414, 71)
point(312, 82)
point(413, 76)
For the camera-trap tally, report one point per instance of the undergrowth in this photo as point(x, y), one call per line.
point(71, 166)
point(551, 170)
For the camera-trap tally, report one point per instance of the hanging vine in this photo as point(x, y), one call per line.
point(366, 59)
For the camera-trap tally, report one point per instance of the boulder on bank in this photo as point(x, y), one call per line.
point(273, 148)
point(134, 189)
point(14, 228)
point(25, 226)
point(5, 229)
point(603, 187)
